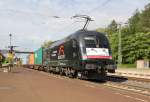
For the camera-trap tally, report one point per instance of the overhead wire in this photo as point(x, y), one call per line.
point(99, 7)
point(89, 12)
point(67, 26)
point(96, 8)
point(27, 13)
point(103, 5)
point(48, 16)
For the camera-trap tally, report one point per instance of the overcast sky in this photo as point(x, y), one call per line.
point(31, 21)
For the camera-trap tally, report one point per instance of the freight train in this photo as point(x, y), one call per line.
point(83, 54)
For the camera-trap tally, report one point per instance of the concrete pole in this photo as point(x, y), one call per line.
point(119, 46)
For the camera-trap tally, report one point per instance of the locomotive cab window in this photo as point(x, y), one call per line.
point(91, 42)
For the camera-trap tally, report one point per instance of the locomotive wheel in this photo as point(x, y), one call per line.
point(61, 72)
point(78, 75)
point(66, 72)
point(50, 69)
point(73, 73)
point(46, 69)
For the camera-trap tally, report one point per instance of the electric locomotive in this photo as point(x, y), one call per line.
point(84, 54)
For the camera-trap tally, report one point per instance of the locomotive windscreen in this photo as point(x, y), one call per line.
point(90, 42)
point(96, 46)
point(95, 42)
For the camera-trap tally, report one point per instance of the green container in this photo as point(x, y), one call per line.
point(38, 56)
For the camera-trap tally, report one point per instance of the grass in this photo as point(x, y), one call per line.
point(127, 66)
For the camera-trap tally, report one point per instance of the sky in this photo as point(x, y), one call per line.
point(31, 22)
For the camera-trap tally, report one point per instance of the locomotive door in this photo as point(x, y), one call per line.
point(75, 50)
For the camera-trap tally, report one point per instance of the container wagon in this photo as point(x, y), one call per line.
point(30, 61)
point(38, 59)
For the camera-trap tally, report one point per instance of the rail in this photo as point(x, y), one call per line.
point(138, 85)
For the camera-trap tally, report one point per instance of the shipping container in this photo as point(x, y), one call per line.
point(38, 56)
point(30, 59)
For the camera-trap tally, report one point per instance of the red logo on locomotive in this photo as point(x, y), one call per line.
point(61, 50)
point(61, 53)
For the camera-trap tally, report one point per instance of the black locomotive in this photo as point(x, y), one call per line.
point(84, 54)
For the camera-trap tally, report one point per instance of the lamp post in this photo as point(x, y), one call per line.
point(10, 35)
point(120, 42)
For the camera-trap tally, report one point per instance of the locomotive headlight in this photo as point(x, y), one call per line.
point(110, 57)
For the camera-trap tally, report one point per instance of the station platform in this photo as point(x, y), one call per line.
point(133, 72)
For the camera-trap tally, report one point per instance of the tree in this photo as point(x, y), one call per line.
point(135, 37)
point(114, 45)
point(101, 30)
point(47, 44)
point(136, 47)
point(145, 19)
point(134, 22)
point(112, 28)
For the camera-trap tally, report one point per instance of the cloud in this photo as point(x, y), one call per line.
point(32, 22)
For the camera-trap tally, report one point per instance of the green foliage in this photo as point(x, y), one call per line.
point(135, 37)
point(134, 23)
point(127, 66)
point(140, 22)
point(114, 45)
point(145, 19)
point(6, 61)
point(135, 46)
point(47, 44)
point(112, 28)
point(101, 30)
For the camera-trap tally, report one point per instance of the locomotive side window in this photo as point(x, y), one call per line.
point(74, 45)
point(105, 44)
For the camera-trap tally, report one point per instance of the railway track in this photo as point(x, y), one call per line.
point(129, 78)
point(138, 85)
